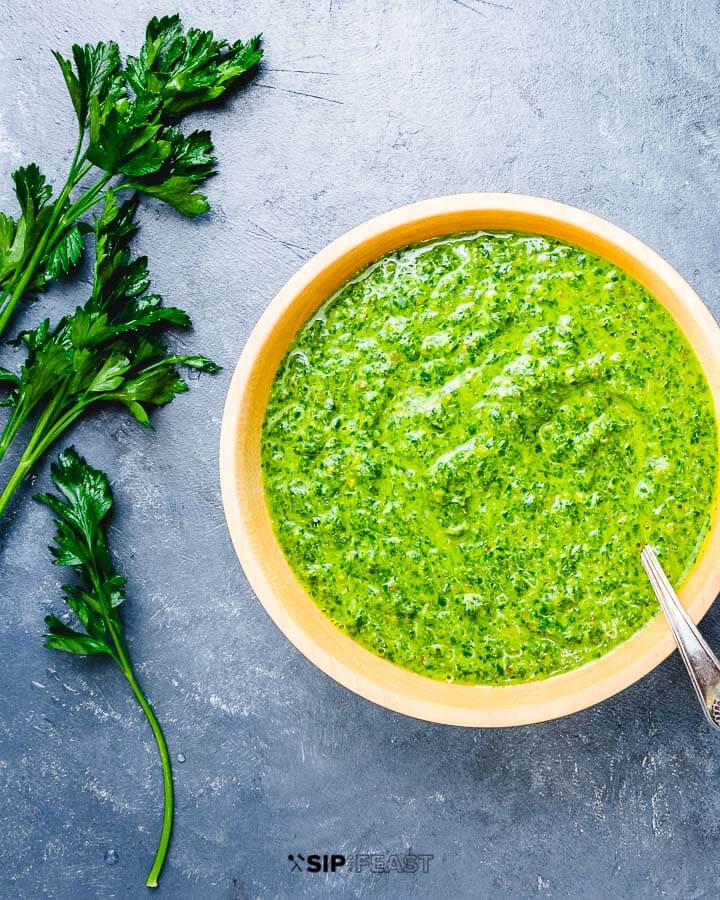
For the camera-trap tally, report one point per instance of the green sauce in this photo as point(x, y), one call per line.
point(466, 448)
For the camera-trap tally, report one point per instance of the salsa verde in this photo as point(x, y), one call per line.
point(466, 448)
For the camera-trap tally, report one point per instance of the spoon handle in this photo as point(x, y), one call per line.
point(701, 663)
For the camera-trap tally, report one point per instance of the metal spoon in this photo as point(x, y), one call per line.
point(701, 663)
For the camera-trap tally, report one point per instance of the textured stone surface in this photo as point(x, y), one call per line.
point(360, 107)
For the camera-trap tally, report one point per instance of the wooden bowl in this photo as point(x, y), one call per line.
point(272, 579)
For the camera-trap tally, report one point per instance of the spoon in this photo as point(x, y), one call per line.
point(702, 664)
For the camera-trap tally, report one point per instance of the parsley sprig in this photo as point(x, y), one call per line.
point(80, 514)
point(128, 135)
point(110, 350)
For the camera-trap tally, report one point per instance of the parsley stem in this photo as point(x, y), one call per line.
point(168, 797)
point(16, 478)
point(12, 426)
point(89, 198)
point(44, 434)
point(51, 407)
point(84, 202)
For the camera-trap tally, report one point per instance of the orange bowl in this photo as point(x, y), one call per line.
point(267, 570)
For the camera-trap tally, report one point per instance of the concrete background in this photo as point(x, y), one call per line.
point(359, 107)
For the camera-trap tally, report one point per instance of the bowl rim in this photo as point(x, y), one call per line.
point(270, 576)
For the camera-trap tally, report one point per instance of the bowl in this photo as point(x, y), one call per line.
point(267, 570)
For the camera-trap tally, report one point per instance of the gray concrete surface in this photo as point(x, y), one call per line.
point(361, 105)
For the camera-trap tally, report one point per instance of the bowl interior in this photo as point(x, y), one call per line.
point(268, 572)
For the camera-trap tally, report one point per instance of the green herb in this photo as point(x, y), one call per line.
point(81, 543)
point(127, 130)
point(109, 350)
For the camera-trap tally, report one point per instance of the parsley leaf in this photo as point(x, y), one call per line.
point(183, 70)
point(65, 255)
point(19, 238)
point(189, 162)
point(96, 75)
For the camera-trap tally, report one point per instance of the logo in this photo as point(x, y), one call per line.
point(374, 863)
point(314, 862)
